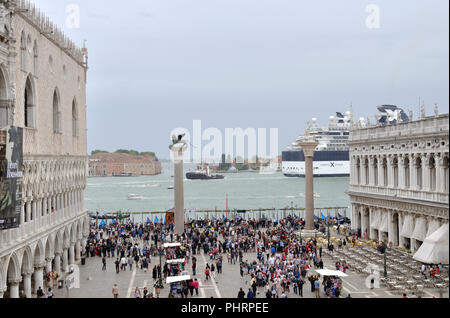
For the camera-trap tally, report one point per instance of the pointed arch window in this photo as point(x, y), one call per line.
point(35, 58)
point(29, 104)
point(23, 50)
point(56, 112)
point(74, 119)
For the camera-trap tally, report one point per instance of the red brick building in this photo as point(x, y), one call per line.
point(117, 164)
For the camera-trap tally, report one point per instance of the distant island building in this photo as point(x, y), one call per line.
point(122, 164)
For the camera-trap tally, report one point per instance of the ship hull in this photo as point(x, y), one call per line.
point(326, 164)
point(201, 176)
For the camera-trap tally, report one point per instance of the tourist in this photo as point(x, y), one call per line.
point(137, 293)
point(49, 293)
point(317, 288)
point(68, 283)
point(40, 292)
point(213, 273)
point(104, 264)
point(115, 291)
point(145, 292)
point(117, 262)
point(207, 272)
point(250, 293)
point(241, 293)
point(196, 285)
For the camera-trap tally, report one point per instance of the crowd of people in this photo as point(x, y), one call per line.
point(283, 263)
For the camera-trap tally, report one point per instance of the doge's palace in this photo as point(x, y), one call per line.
point(42, 91)
point(399, 184)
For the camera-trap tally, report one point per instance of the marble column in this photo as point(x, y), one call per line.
point(309, 145)
point(178, 152)
point(58, 263)
point(27, 284)
point(380, 171)
point(65, 259)
point(413, 171)
point(390, 167)
point(426, 172)
point(72, 253)
point(39, 277)
point(77, 250)
point(48, 265)
point(371, 171)
point(14, 288)
point(401, 172)
point(390, 226)
point(366, 222)
point(28, 209)
point(1, 294)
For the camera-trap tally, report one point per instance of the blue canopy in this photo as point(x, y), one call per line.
point(156, 219)
point(102, 223)
point(322, 216)
point(148, 221)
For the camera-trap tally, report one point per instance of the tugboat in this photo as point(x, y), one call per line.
point(203, 174)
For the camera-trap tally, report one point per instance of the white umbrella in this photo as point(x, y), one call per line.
point(176, 279)
point(329, 272)
point(434, 249)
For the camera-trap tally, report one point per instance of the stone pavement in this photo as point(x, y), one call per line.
point(225, 285)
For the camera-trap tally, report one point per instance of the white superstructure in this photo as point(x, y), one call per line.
point(331, 158)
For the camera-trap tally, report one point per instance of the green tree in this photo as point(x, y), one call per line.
point(98, 151)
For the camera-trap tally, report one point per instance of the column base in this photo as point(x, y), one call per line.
point(311, 234)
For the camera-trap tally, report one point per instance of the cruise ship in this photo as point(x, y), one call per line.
point(331, 158)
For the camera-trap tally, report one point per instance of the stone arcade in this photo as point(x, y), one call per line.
point(399, 184)
point(43, 90)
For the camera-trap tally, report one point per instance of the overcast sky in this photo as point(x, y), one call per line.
point(160, 64)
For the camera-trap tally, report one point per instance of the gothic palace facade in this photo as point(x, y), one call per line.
point(399, 184)
point(43, 90)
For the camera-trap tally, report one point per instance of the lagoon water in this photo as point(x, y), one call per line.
point(246, 190)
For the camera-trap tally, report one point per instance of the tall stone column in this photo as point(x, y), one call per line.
point(426, 172)
point(14, 288)
point(401, 172)
point(413, 172)
point(309, 145)
point(440, 173)
point(38, 277)
point(371, 171)
point(28, 209)
point(48, 265)
point(27, 284)
point(380, 171)
point(390, 163)
point(77, 250)
point(65, 260)
point(178, 152)
point(390, 226)
point(58, 263)
point(72, 253)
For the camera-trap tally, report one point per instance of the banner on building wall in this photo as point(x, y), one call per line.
point(11, 185)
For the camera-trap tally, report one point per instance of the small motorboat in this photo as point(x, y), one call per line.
point(171, 188)
point(156, 185)
point(135, 197)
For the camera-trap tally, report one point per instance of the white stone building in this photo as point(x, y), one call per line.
point(399, 184)
point(43, 90)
